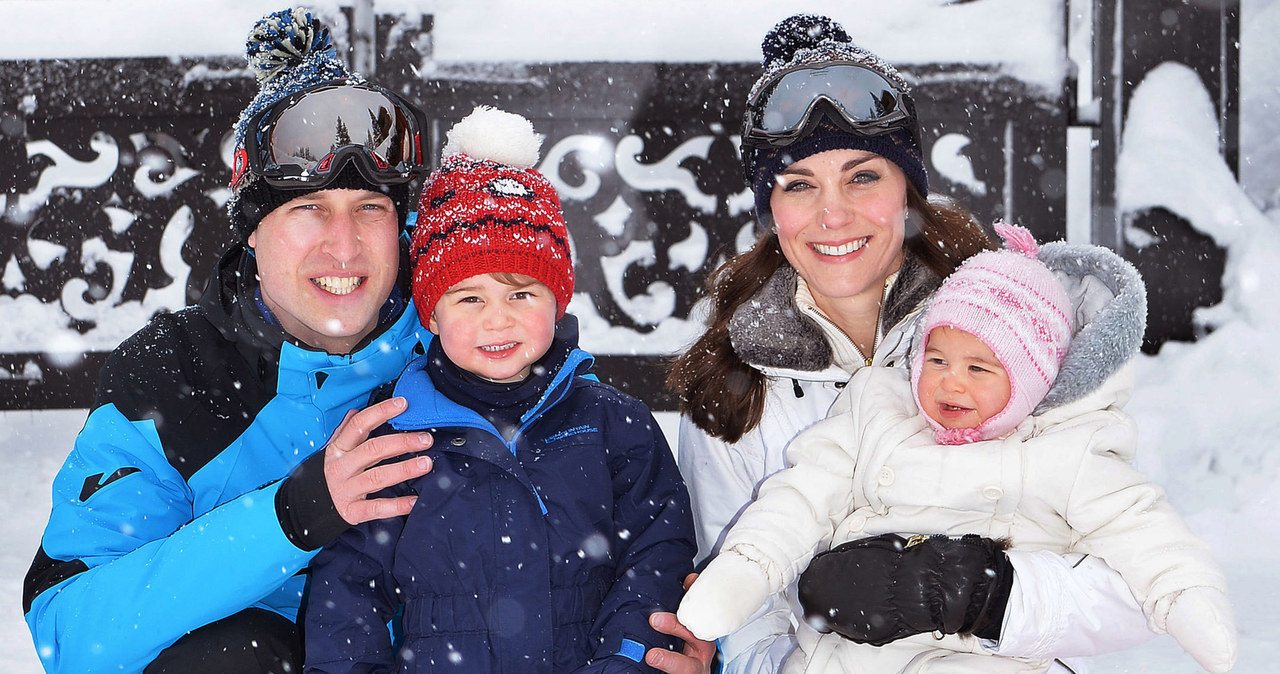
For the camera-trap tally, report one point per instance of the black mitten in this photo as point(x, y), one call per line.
point(881, 589)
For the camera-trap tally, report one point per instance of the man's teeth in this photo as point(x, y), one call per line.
point(842, 249)
point(495, 348)
point(338, 285)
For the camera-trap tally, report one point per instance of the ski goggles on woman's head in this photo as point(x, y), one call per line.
point(863, 101)
point(305, 139)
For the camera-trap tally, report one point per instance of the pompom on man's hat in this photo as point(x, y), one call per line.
point(290, 51)
point(486, 210)
point(813, 39)
point(1019, 309)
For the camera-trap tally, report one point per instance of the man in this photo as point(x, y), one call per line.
point(198, 491)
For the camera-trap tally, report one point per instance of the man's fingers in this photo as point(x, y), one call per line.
point(381, 477)
point(379, 508)
point(671, 662)
point(667, 623)
point(697, 654)
point(351, 491)
point(356, 427)
point(381, 448)
point(351, 463)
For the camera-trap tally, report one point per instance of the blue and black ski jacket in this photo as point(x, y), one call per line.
point(169, 512)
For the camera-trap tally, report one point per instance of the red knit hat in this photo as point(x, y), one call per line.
point(487, 211)
point(1019, 309)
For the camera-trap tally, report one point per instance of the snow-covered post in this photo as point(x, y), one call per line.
point(1183, 268)
point(364, 38)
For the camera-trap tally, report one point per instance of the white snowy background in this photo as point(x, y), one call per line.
point(1207, 411)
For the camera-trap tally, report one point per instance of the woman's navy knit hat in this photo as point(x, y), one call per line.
point(805, 39)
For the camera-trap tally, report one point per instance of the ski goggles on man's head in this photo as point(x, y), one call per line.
point(782, 112)
point(304, 140)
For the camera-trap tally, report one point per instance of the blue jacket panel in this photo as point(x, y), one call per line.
point(547, 553)
point(164, 515)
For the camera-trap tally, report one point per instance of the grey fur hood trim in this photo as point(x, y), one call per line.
point(768, 330)
point(1110, 300)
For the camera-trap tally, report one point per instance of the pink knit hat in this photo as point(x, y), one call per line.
point(1019, 309)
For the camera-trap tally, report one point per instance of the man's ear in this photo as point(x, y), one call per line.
point(431, 323)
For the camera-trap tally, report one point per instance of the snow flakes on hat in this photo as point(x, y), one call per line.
point(288, 51)
point(486, 210)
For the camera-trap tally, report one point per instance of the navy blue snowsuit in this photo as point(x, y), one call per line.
point(546, 552)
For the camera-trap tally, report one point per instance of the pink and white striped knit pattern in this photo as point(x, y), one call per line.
point(1015, 305)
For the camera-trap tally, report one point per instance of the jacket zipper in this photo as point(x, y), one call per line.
point(875, 340)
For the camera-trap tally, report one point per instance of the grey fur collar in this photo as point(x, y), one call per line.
point(1110, 300)
point(768, 331)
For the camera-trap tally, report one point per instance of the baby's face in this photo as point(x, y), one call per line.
point(962, 383)
point(495, 330)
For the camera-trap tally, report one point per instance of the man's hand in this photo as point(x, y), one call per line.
point(696, 656)
point(351, 463)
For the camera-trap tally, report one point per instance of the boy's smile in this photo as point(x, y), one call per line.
point(493, 329)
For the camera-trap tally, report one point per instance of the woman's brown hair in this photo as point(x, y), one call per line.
point(721, 393)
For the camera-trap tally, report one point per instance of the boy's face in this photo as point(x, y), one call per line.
point(962, 383)
point(494, 330)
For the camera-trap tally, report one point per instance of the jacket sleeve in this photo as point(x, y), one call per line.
point(722, 478)
point(351, 599)
point(764, 643)
point(1122, 517)
point(775, 537)
point(124, 569)
point(1070, 606)
point(654, 546)
point(1066, 606)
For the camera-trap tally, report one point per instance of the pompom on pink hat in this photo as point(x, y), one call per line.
point(1011, 302)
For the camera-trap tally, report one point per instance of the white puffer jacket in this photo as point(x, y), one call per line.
point(1058, 609)
point(1062, 481)
point(771, 335)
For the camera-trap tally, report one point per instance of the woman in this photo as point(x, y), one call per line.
point(852, 246)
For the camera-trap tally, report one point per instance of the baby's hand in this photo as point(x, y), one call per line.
point(726, 594)
point(1201, 620)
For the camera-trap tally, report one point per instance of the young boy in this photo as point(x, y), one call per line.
point(554, 520)
point(980, 440)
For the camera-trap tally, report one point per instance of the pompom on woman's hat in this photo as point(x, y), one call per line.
point(1019, 309)
point(290, 51)
point(486, 210)
point(812, 39)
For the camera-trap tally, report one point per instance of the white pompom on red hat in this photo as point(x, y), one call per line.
point(490, 134)
point(486, 210)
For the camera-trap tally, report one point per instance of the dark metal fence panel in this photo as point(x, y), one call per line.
point(115, 178)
